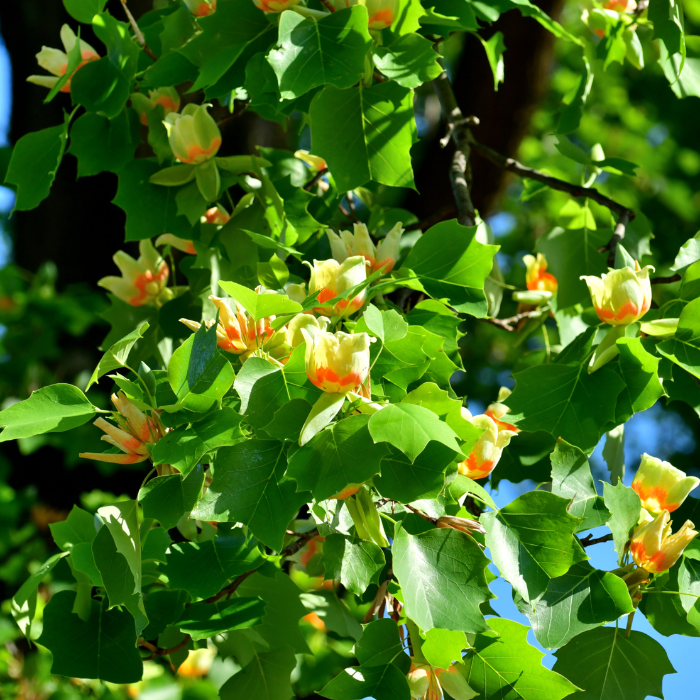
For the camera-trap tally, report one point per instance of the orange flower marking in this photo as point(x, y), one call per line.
point(476, 470)
point(204, 9)
point(195, 150)
point(502, 425)
point(383, 17)
point(87, 56)
point(655, 562)
point(313, 619)
point(148, 284)
point(654, 497)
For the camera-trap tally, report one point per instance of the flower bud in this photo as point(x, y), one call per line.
point(388, 250)
point(364, 514)
point(660, 486)
point(167, 97)
point(621, 297)
point(198, 663)
point(487, 450)
point(275, 5)
point(331, 278)
point(537, 279)
point(347, 244)
point(295, 292)
point(142, 280)
point(134, 435)
point(216, 215)
point(193, 134)
point(56, 62)
point(462, 524)
point(314, 162)
point(382, 13)
point(349, 490)
point(175, 242)
point(293, 331)
point(427, 682)
point(497, 410)
point(654, 548)
point(336, 362)
point(201, 8)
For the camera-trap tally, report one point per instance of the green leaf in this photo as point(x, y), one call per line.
point(410, 428)
point(184, 447)
point(495, 47)
point(100, 86)
point(266, 677)
point(684, 347)
point(625, 507)
point(531, 541)
point(565, 401)
point(150, 210)
point(572, 479)
point(117, 356)
point(608, 665)
point(203, 620)
point(378, 682)
point(354, 564)
point(571, 253)
point(410, 60)
point(167, 498)
point(441, 648)
point(639, 370)
point(451, 264)
point(288, 420)
point(574, 102)
point(163, 608)
point(117, 577)
point(53, 409)
point(23, 604)
point(381, 644)
point(102, 647)
point(326, 51)
point(403, 361)
point(84, 10)
point(385, 325)
point(667, 17)
point(442, 573)
point(662, 606)
point(462, 485)
point(261, 305)
point(204, 568)
point(503, 665)
point(365, 134)
point(614, 453)
point(77, 528)
point(582, 599)
point(34, 163)
point(198, 373)
point(333, 612)
point(341, 455)
point(321, 414)
point(248, 487)
point(406, 481)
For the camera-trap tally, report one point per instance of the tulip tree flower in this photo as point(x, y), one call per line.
point(143, 281)
point(180, 243)
point(167, 97)
point(331, 278)
point(382, 13)
point(239, 334)
point(465, 525)
point(134, 433)
point(428, 683)
point(622, 296)
point(275, 5)
point(293, 330)
point(336, 362)
point(382, 257)
point(56, 62)
point(654, 548)
point(201, 8)
point(660, 486)
point(537, 279)
point(497, 410)
point(193, 134)
point(487, 450)
point(216, 215)
point(314, 162)
point(621, 5)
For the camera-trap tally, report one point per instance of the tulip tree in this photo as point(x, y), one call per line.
point(281, 356)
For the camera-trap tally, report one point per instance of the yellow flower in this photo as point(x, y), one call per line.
point(293, 330)
point(382, 257)
point(336, 362)
point(198, 663)
point(142, 280)
point(133, 436)
point(331, 278)
point(654, 548)
point(487, 450)
point(275, 5)
point(167, 97)
point(382, 13)
point(180, 243)
point(216, 215)
point(661, 486)
point(537, 279)
point(193, 134)
point(621, 297)
point(428, 682)
point(56, 62)
point(314, 162)
point(497, 410)
point(201, 8)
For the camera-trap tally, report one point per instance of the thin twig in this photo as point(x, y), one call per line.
point(329, 5)
point(667, 280)
point(157, 651)
point(229, 590)
point(139, 34)
point(295, 546)
point(315, 179)
point(588, 540)
point(508, 324)
point(458, 132)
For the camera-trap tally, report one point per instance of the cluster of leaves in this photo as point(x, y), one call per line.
point(222, 549)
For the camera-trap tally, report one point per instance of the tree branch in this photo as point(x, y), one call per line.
point(315, 179)
point(588, 540)
point(667, 280)
point(139, 34)
point(458, 132)
point(157, 651)
point(507, 324)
